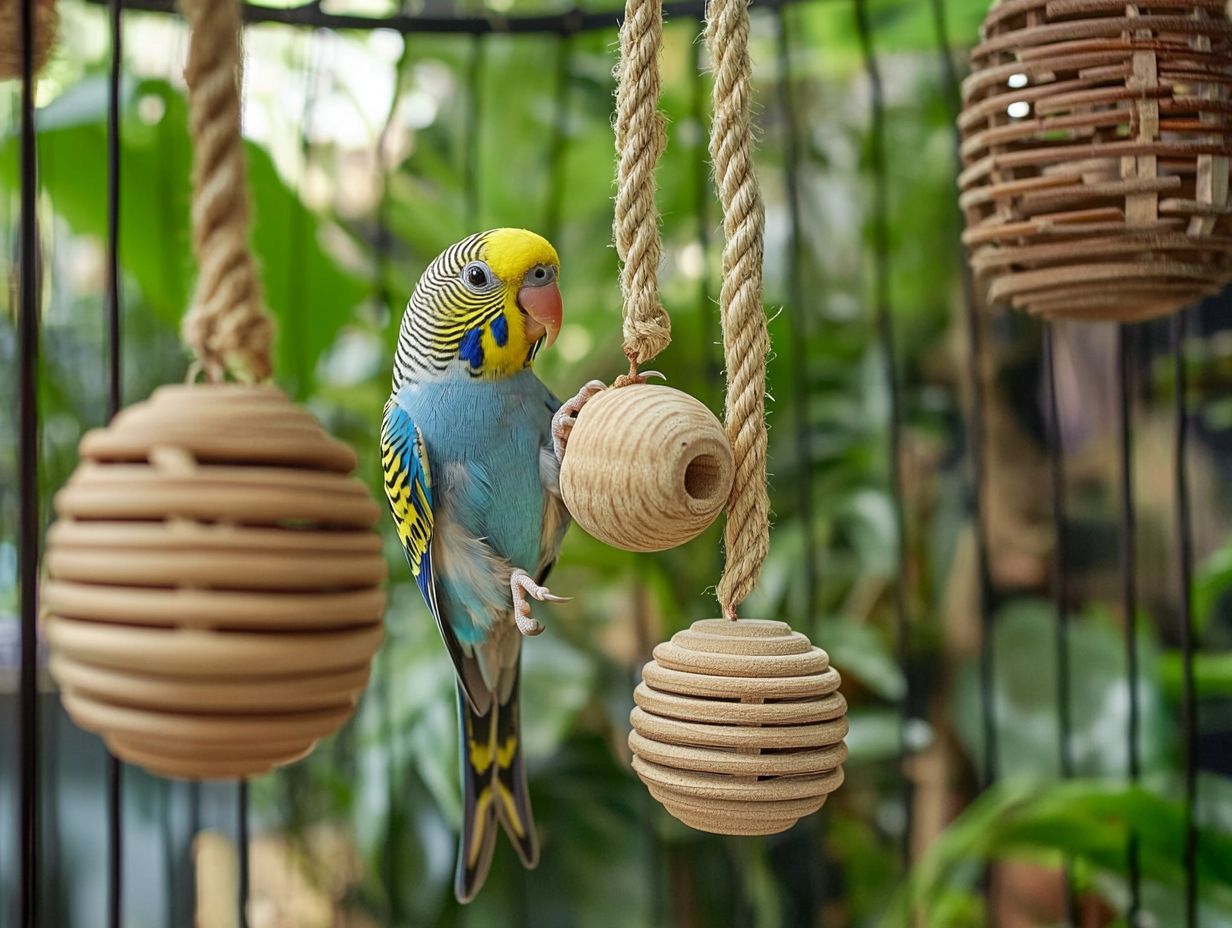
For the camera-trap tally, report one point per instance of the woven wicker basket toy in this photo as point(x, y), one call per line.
point(45, 22)
point(1096, 138)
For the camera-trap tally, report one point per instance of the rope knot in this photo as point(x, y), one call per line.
point(226, 325)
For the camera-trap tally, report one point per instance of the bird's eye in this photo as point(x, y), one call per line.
point(477, 276)
point(540, 275)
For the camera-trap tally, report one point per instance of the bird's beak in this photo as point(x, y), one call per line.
point(543, 308)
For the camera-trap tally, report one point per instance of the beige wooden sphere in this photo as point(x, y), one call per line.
point(215, 583)
point(713, 700)
point(1095, 147)
point(647, 468)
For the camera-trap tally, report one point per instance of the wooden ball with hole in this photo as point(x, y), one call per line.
point(215, 587)
point(1096, 149)
point(739, 727)
point(646, 468)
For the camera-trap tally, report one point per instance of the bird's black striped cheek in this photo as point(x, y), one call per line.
point(447, 315)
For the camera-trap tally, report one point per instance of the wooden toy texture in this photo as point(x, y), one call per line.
point(45, 25)
point(1095, 145)
point(647, 468)
point(739, 726)
point(214, 592)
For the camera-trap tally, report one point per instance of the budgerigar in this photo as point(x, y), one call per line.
point(471, 474)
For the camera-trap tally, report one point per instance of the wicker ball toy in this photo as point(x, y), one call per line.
point(1096, 138)
point(647, 468)
point(45, 22)
point(215, 583)
point(739, 726)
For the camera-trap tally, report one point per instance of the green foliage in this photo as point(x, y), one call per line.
point(154, 231)
point(1087, 822)
point(1212, 674)
point(1212, 581)
point(1025, 697)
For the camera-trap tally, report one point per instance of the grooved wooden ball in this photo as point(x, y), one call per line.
point(647, 468)
point(739, 727)
point(1096, 138)
point(215, 583)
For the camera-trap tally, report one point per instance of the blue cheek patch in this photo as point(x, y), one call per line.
point(471, 349)
point(500, 331)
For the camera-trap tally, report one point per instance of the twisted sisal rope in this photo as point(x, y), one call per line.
point(746, 341)
point(640, 139)
point(226, 325)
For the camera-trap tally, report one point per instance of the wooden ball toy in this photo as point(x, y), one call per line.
point(1095, 148)
point(738, 726)
point(647, 468)
point(215, 583)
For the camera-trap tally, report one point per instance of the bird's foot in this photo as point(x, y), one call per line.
point(633, 377)
point(522, 585)
point(566, 417)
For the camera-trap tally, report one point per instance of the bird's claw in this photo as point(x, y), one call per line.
point(522, 585)
point(566, 417)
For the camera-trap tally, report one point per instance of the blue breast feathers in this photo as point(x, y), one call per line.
point(484, 439)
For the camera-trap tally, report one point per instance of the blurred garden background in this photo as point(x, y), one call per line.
point(370, 151)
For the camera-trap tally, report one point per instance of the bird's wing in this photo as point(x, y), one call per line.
point(408, 486)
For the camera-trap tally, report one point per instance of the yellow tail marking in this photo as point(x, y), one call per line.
point(480, 825)
point(511, 810)
point(504, 756)
point(480, 756)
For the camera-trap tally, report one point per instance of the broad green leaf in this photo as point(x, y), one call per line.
point(1212, 674)
point(1088, 821)
point(309, 295)
point(556, 683)
point(1212, 580)
point(1026, 695)
point(875, 735)
point(860, 654)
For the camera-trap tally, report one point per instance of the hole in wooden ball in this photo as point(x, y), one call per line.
point(701, 477)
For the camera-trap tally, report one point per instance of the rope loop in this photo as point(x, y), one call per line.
point(226, 327)
point(640, 140)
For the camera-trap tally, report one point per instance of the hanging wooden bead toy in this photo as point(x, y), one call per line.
point(649, 467)
point(739, 725)
point(215, 591)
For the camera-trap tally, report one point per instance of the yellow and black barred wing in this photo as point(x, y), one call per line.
point(408, 487)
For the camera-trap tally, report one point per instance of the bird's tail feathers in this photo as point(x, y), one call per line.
point(494, 789)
